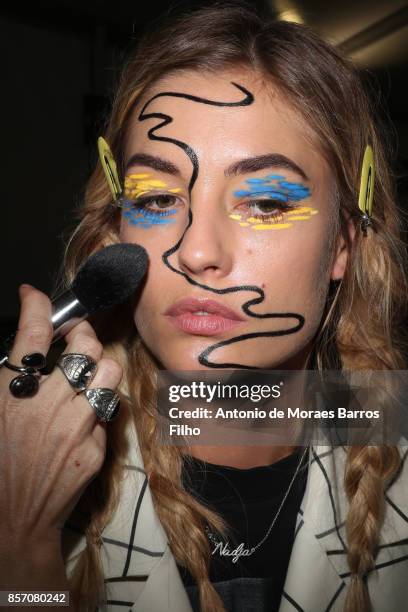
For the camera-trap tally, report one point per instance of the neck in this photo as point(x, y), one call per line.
point(255, 456)
point(240, 456)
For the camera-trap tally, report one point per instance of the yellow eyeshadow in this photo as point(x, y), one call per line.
point(300, 210)
point(137, 185)
point(255, 220)
point(136, 176)
point(301, 213)
point(274, 226)
point(150, 183)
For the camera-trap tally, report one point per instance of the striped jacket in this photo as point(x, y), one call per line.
point(141, 573)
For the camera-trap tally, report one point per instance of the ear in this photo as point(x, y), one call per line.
point(342, 250)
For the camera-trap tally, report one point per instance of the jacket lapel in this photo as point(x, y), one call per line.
point(312, 581)
point(140, 569)
point(318, 573)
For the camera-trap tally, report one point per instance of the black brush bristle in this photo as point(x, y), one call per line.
point(110, 276)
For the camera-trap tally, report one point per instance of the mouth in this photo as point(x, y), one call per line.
point(202, 317)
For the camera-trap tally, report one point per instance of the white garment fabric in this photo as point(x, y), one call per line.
point(141, 573)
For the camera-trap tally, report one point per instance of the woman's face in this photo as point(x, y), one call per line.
point(232, 201)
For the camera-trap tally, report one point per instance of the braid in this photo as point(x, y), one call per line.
point(368, 470)
point(179, 512)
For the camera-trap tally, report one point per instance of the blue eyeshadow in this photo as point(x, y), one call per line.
point(276, 188)
point(145, 218)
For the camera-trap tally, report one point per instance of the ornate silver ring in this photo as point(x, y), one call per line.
point(78, 369)
point(105, 402)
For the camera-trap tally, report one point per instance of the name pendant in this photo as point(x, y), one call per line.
point(240, 551)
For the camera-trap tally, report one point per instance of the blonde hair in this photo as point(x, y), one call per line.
point(361, 325)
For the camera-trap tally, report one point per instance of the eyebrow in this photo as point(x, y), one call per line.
point(157, 163)
point(244, 166)
point(272, 160)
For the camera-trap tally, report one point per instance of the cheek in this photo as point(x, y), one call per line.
point(156, 240)
point(149, 299)
point(292, 270)
point(157, 235)
point(147, 308)
point(148, 233)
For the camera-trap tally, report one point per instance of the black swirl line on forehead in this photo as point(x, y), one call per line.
point(166, 120)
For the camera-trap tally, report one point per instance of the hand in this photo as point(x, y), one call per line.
point(51, 445)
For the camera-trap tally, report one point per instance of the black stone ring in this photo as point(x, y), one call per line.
point(27, 383)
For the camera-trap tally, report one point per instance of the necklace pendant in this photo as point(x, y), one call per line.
point(224, 550)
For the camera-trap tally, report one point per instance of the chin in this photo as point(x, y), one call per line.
point(180, 360)
point(175, 353)
point(192, 366)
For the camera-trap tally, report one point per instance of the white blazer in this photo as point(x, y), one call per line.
point(141, 573)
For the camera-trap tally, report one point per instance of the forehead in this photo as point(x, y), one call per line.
point(219, 134)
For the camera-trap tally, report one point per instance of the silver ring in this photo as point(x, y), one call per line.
point(78, 369)
point(105, 402)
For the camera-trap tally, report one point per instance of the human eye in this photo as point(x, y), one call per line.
point(266, 210)
point(152, 210)
point(271, 202)
point(160, 204)
point(149, 201)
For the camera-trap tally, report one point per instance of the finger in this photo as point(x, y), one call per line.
point(35, 332)
point(83, 342)
point(108, 376)
point(99, 433)
point(82, 328)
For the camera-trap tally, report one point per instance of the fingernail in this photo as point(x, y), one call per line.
point(24, 288)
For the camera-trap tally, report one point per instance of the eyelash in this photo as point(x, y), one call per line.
point(144, 202)
point(275, 215)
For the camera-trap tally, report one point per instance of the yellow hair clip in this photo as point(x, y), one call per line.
point(365, 199)
point(109, 168)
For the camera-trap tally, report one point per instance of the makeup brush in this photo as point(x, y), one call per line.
point(108, 277)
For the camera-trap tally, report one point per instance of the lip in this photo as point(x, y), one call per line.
point(220, 318)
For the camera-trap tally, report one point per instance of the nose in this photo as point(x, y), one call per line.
point(205, 252)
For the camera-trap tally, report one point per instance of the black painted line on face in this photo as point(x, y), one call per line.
point(203, 357)
point(249, 98)
point(166, 120)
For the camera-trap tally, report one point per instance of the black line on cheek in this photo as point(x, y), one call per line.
point(166, 120)
point(203, 357)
